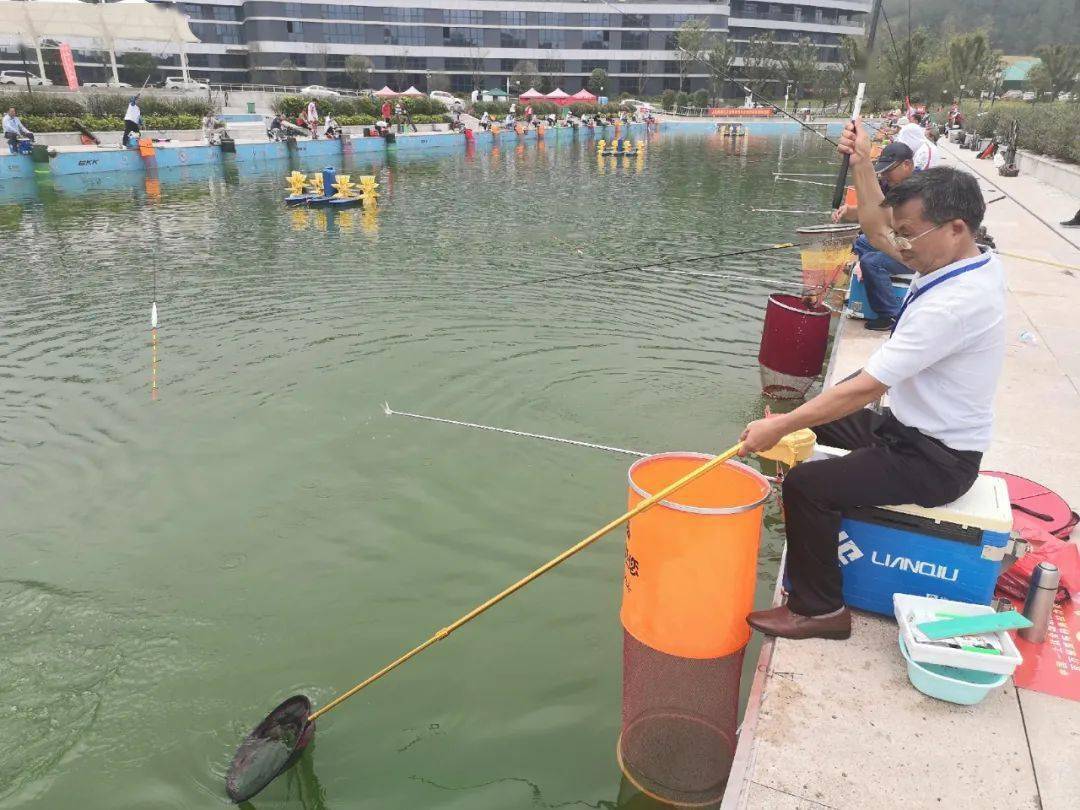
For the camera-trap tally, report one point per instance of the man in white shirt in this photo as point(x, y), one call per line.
point(132, 120)
point(14, 129)
point(940, 369)
point(911, 133)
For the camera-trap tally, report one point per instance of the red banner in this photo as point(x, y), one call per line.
point(1053, 667)
point(67, 60)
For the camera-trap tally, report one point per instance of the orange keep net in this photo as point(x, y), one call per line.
point(691, 560)
point(688, 585)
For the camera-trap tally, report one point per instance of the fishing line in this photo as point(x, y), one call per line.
point(154, 342)
point(738, 277)
point(896, 53)
point(727, 77)
point(628, 268)
point(785, 211)
point(391, 412)
point(527, 435)
point(806, 182)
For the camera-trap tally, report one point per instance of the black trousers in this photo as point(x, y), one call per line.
point(129, 127)
point(889, 463)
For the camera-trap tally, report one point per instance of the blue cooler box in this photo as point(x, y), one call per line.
point(951, 552)
point(859, 305)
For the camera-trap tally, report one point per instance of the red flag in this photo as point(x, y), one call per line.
point(67, 60)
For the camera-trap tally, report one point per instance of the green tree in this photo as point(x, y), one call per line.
point(760, 62)
point(598, 81)
point(1039, 81)
point(852, 54)
point(545, 84)
point(358, 68)
point(968, 55)
point(690, 41)
point(720, 58)
point(799, 66)
point(138, 66)
point(288, 73)
point(1061, 64)
point(904, 59)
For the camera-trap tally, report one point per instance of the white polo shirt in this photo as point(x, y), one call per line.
point(943, 361)
point(927, 156)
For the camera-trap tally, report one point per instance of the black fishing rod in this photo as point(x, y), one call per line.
point(860, 75)
point(728, 77)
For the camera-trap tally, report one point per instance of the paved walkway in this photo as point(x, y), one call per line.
point(836, 724)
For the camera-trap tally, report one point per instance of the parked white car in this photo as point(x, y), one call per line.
point(449, 99)
point(318, 90)
point(180, 83)
point(106, 84)
point(1029, 95)
point(22, 77)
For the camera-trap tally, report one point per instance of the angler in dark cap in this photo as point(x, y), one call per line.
point(894, 165)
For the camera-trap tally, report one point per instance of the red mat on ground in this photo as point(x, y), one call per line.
point(1053, 667)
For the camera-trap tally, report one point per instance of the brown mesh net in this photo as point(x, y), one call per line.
point(678, 724)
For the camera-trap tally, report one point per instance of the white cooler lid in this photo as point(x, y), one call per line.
point(985, 506)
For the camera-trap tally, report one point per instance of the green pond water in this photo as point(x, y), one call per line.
point(173, 569)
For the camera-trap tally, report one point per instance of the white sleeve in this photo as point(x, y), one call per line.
point(922, 158)
point(923, 336)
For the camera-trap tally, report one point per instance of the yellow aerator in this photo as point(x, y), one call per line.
point(297, 182)
point(344, 187)
point(316, 184)
point(369, 190)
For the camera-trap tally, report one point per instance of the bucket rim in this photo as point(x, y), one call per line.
point(702, 510)
point(775, 298)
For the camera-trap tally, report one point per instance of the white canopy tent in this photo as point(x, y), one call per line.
point(137, 21)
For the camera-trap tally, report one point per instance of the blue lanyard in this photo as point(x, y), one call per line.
point(926, 288)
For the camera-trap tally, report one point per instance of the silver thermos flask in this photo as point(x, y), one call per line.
point(1040, 601)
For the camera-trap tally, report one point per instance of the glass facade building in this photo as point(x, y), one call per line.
point(479, 43)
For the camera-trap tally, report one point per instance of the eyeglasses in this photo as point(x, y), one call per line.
point(904, 243)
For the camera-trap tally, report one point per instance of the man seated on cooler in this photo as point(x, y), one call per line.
point(14, 129)
point(940, 369)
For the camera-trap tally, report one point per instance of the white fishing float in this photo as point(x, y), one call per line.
point(153, 342)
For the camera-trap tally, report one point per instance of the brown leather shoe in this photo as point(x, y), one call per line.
point(782, 622)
